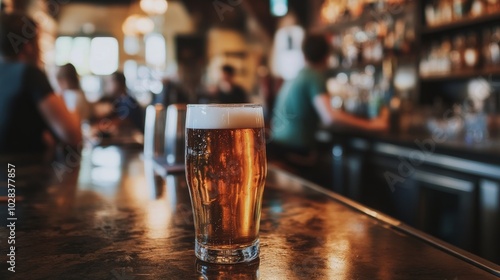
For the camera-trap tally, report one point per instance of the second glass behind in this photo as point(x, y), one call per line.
point(226, 169)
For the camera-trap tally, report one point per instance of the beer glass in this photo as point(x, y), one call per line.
point(226, 169)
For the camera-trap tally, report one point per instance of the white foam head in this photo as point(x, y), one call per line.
point(224, 116)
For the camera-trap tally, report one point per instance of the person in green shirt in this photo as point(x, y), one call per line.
point(303, 103)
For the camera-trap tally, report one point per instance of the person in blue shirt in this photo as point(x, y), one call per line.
point(124, 111)
point(31, 115)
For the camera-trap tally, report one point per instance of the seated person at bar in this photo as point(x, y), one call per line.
point(172, 93)
point(29, 110)
point(117, 110)
point(227, 90)
point(71, 92)
point(303, 102)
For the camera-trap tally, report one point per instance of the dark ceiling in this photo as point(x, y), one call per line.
point(104, 2)
point(206, 14)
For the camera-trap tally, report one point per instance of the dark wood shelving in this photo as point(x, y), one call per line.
point(405, 57)
point(340, 26)
point(356, 67)
point(366, 17)
point(463, 74)
point(461, 24)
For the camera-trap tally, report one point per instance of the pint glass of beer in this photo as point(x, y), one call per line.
point(226, 169)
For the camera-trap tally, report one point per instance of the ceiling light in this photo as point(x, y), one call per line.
point(154, 7)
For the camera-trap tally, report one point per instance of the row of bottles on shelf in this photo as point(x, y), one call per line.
point(337, 11)
point(360, 45)
point(438, 12)
point(468, 117)
point(462, 52)
point(360, 93)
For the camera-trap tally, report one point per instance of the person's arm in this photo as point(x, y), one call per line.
point(64, 124)
point(82, 106)
point(330, 116)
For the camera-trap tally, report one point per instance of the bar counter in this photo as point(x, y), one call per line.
point(487, 151)
point(412, 175)
point(114, 217)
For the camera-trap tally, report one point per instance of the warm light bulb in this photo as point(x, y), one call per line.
point(145, 25)
point(154, 7)
point(155, 50)
point(128, 26)
point(136, 25)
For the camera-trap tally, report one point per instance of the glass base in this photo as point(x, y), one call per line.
point(227, 256)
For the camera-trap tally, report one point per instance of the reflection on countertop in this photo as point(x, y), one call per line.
point(140, 225)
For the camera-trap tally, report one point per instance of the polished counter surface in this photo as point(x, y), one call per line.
point(114, 217)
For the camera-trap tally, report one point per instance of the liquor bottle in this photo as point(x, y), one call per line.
point(493, 6)
point(458, 9)
point(445, 60)
point(430, 14)
point(457, 53)
point(446, 11)
point(494, 49)
point(471, 54)
point(477, 8)
point(486, 54)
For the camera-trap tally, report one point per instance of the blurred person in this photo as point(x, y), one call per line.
point(267, 86)
point(71, 91)
point(172, 93)
point(120, 109)
point(303, 103)
point(227, 90)
point(29, 109)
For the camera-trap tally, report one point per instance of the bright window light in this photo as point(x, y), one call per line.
point(279, 7)
point(63, 49)
point(103, 55)
point(154, 7)
point(97, 56)
point(91, 86)
point(130, 72)
point(155, 50)
point(156, 86)
point(131, 44)
point(79, 56)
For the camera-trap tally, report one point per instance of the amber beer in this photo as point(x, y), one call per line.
point(225, 170)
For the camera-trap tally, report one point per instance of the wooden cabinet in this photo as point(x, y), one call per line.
point(453, 198)
point(447, 207)
point(489, 218)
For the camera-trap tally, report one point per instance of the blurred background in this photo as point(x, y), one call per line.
point(434, 65)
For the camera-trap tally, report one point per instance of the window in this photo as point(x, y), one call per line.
point(98, 56)
point(279, 7)
point(103, 55)
point(155, 50)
